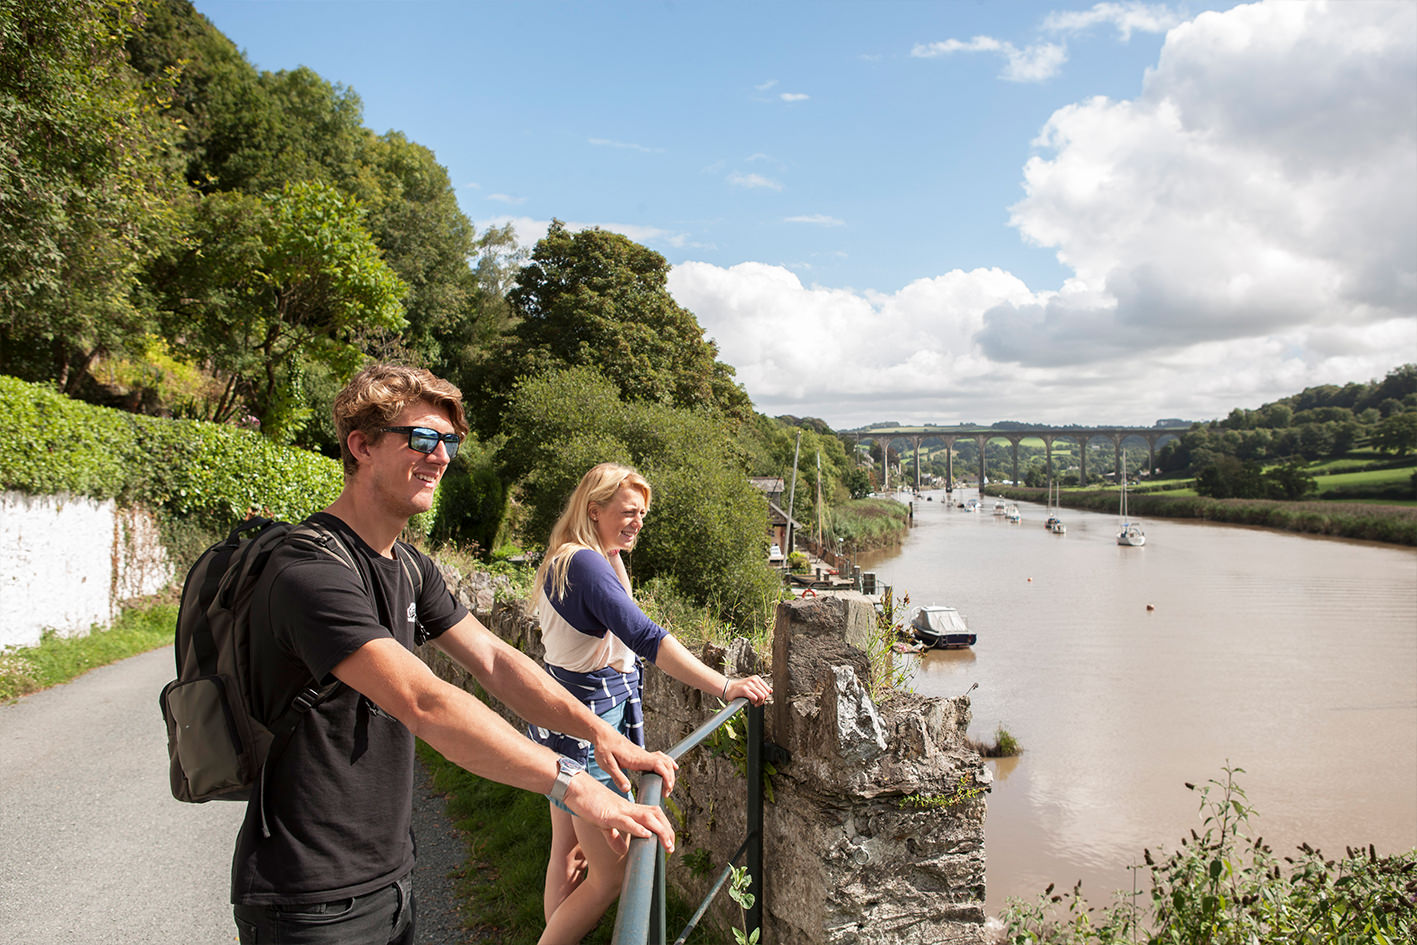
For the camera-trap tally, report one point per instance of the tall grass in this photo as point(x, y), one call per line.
point(870, 523)
point(1226, 887)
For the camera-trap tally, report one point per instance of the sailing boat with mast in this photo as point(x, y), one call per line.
point(1130, 533)
point(1053, 523)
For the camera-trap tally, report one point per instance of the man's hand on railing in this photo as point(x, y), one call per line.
point(753, 688)
point(614, 752)
point(616, 817)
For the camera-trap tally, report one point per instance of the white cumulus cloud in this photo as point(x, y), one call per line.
point(1124, 17)
point(753, 181)
point(1262, 185)
point(817, 219)
point(1244, 228)
point(1031, 64)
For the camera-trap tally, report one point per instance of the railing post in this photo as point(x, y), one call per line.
point(657, 935)
point(641, 917)
point(755, 815)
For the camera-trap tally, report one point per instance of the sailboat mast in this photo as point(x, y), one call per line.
point(819, 499)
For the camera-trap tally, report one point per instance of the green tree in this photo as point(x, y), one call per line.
point(266, 288)
point(707, 529)
point(85, 189)
point(1397, 433)
point(456, 308)
point(598, 298)
point(1290, 482)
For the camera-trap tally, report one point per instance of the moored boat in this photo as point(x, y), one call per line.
point(1053, 523)
point(939, 627)
point(1129, 533)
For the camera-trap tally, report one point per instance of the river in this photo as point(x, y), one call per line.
point(1126, 672)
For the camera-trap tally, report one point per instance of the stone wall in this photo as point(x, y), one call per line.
point(875, 830)
point(69, 562)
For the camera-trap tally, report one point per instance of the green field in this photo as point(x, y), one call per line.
point(1366, 478)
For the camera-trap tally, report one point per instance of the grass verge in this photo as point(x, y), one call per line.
point(508, 834)
point(56, 659)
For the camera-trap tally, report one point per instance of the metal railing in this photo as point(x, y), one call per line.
point(640, 919)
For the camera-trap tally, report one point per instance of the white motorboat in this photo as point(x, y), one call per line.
point(939, 627)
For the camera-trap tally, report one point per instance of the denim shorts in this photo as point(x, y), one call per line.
point(613, 717)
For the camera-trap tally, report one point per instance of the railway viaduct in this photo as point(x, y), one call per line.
point(1082, 436)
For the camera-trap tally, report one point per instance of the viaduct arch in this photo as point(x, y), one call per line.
point(1082, 436)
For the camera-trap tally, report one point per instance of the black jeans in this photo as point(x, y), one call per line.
point(384, 917)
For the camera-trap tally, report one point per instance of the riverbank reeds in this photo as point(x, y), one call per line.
point(1392, 524)
point(870, 524)
point(1004, 745)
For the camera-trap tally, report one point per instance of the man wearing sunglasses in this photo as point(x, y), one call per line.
point(326, 850)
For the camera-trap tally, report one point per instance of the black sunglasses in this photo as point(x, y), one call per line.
point(426, 439)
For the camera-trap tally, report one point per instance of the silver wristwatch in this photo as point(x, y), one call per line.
point(568, 769)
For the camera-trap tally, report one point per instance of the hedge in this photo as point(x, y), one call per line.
point(205, 473)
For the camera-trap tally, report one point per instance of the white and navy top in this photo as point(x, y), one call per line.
point(595, 636)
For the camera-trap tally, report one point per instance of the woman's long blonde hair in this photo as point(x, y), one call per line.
point(574, 530)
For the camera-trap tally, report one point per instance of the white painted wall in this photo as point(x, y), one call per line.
point(68, 562)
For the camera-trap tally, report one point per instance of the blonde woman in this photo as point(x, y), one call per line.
point(596, 638)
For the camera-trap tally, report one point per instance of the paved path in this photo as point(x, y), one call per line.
point(94, 850)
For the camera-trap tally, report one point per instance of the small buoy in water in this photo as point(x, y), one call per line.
point(1150, 606)
point(1030, 580)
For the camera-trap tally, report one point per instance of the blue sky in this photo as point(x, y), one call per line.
point(934, 212)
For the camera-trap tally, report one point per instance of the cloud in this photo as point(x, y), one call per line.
point(765, 86)
point(1030, 64)
point(1261, 186)
point(794, 96)
point(1125, 17)
point(1244, 228)
point(839, 353)
point(818, 219)
point(623, 145)
point(753, 181)
point(506, 198)
point(530, 230)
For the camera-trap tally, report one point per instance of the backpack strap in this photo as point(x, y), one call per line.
point(414, 573)
point(204, 649)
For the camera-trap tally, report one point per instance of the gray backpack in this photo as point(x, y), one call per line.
point(216, 745)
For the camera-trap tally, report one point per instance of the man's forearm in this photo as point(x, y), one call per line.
point(533, 694)
point(516, 681)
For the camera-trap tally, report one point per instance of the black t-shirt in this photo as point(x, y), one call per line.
point(338, 799)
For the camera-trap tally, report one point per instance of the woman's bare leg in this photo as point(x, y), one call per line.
point(566, 868)
point(580, 911)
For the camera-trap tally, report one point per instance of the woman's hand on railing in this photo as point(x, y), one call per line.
point(616, 817)
point(615, 753)
point(753, 688)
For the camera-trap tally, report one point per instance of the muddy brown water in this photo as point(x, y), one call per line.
point(1126, 672)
